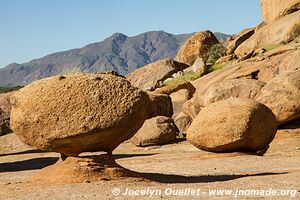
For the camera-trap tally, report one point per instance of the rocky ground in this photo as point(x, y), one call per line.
point(176, 166)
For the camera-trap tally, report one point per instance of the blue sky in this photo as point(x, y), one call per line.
point(31, 29)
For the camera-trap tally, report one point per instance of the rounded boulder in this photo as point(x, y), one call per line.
point(235, 124)
point(78, 113)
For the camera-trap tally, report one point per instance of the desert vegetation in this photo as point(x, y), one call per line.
point(169, 125)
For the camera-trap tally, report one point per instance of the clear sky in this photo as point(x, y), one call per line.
point(31, 29)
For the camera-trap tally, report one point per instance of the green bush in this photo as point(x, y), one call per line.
point(216, 67)
point(182, 79)
point(271, 47)
point(214, 53)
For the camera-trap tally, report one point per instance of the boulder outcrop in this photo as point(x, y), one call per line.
point(153, 75)
point(279, 31)
point(196, 47)
point(282, 96)
point(274, 9)
point(239, 39)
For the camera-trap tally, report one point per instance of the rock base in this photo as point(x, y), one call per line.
point(84, 169)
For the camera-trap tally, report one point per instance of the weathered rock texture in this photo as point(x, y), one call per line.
point(239, 39)
point(191, 107)
point(156, 131)
point(84, 169)
point(78, 113)
point(5, 108)
point(5, 104)
point(282, 96)
point(235, 124)
point(4, 123)
point(264, 69)
point(179, 94)
point(161, 105)
point(196, 47)
point(183, 121)
point(151, 76)
point(237, 88)
point(226, 59)
point(274, 9)
point(178, 99)
point(199, 66)
point(282, 30)
point(174, 88)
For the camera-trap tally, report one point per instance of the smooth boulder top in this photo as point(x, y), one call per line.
point(236, 88)
point(235, 124)
point(78, 113)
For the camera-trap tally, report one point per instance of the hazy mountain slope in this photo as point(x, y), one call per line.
point(117, 52)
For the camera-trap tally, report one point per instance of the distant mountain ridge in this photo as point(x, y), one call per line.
point(118, 53)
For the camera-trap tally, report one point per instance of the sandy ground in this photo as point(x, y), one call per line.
point(177, 171)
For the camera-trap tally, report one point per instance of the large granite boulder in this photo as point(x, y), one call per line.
point(152, 76)
point(78, 113)
point(239, 39)
point(230, 88)
point(156, 131)
point(282, 96)
point(282, 30)
point(235, 124)
point(274, 9)
point(196, 47)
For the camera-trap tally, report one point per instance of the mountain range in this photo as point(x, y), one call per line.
point(118, 53)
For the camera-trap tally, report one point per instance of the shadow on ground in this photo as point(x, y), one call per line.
point(291, 125)
point(119, 156)
point(168, 178)
point(23, 152)
point(38, 163)
point(31, 164)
